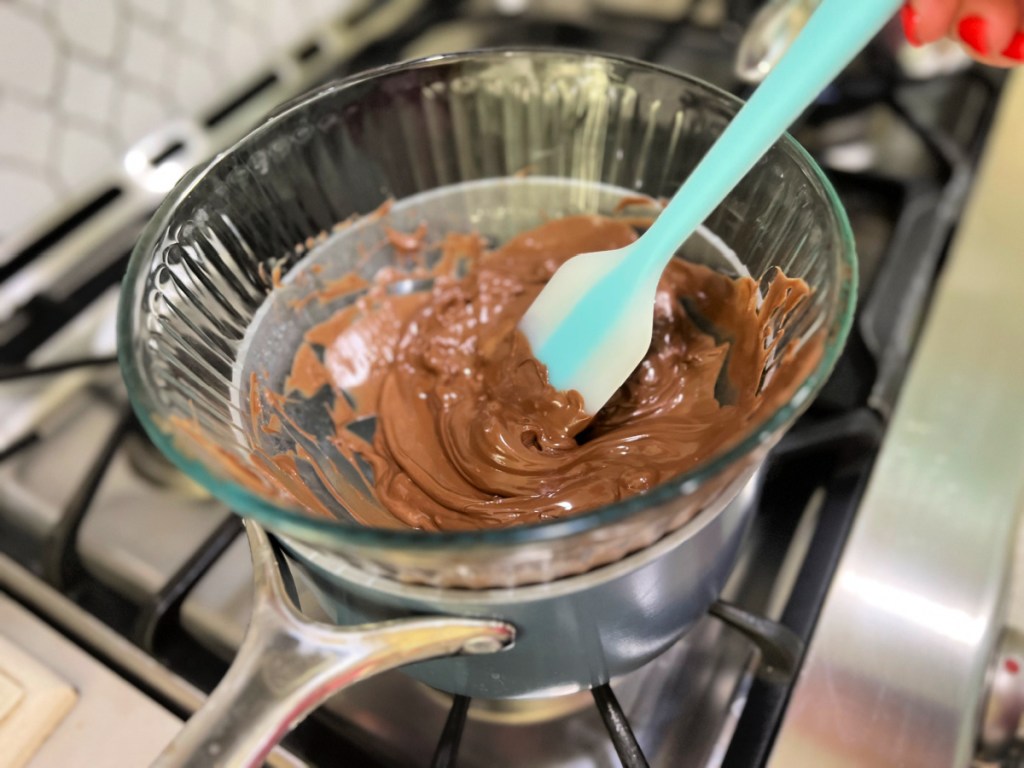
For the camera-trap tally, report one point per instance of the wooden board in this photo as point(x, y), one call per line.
point(33, 701)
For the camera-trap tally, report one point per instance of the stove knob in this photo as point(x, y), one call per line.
point(1003, 712)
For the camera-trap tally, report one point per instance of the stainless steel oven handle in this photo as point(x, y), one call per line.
point(288, 665)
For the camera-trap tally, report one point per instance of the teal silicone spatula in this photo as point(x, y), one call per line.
point(592, 324)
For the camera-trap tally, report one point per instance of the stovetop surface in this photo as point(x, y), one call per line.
point(90, 508)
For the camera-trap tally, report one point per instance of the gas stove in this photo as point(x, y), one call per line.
point(103, 539)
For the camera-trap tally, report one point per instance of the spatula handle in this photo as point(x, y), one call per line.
point(835, 33)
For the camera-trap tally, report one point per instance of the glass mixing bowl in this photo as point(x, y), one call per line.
point(493, 142)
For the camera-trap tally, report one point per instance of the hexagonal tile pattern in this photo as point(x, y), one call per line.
point(139, 113)
point(323, 8)
point(239, 8)
point(25, 131)
point(88, 91)
point(29, 194)
point(81, 155)
point(82, 81)
point(146, 54)
point(198, 22)
point(158, 10)
point(39, 5)
point(89, 25)
point(28, 55)
point(192, 83)
point(281, 20)
point(242, 51)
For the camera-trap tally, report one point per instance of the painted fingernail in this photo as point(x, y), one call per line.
point(973, 31)
point(1015, 50)
point(909, 18)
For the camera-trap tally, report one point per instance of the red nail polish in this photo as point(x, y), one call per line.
point(973, 31)
point(1015, 50)
point(909, 18)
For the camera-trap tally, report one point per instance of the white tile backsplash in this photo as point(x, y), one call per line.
point(28, 54)
point(139, 112)
point(87, 91)
point(26, 133)
point(82, 81)
point(82, 153)
point(147, 53)
point(34, 193)
point(89, 27)
point(198, 22)
point(242, 47)
point(157, 10)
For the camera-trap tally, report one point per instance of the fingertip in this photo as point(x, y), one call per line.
point(932, 19)
point(973, 32)
point(910, 20)
point(987, 27)
point(1015, 49)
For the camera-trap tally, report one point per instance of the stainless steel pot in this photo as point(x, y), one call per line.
point(288, 665)
point(569, 635)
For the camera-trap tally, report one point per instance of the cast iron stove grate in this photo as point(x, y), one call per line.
point(780, 651)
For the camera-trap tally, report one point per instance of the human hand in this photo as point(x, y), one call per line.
point(991, 31)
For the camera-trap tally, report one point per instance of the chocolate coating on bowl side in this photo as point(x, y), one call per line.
point(470, 434)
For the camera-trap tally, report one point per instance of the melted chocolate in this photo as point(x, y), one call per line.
point(470, 434)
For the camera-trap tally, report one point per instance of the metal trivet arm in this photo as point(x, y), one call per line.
point(781, 649)
point(625, 743)
point(623, 739)
point(14, 372)
point(448, 747)
point(24, 433)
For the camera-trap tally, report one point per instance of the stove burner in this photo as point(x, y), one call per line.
point(780, 651)
point(146, 459)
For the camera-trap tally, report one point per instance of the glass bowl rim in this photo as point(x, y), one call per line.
point(318, 531)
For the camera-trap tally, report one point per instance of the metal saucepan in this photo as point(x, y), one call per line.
point(491, 141)
point(556, 638)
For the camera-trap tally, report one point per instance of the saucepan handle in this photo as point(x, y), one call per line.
point(288, 665)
